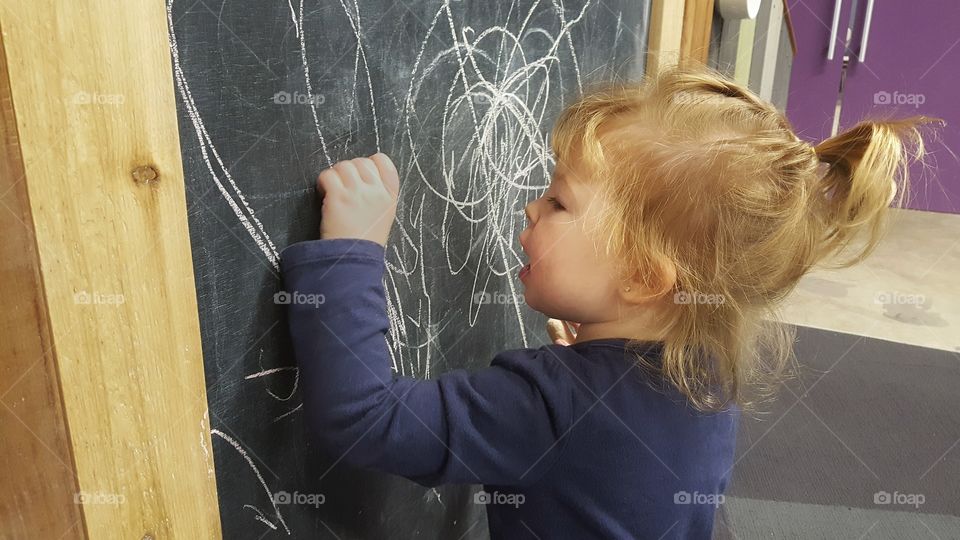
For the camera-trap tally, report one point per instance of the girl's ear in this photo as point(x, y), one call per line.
point(634, 291)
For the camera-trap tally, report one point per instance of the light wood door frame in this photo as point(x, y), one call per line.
point(104, 430)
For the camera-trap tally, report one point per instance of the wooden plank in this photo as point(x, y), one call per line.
point(697, 23)
point(666, 34)
point(96, 118)
point(37, 468)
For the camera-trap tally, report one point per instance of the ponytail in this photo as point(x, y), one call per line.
point(703, 172)
point(868, 166)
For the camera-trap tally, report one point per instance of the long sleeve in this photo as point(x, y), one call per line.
point(503, 424)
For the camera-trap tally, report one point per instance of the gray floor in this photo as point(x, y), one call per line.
point(864, 444)
point(751, 518)
point(907, 291)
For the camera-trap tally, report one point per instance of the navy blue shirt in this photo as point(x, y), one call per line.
point(568, 442)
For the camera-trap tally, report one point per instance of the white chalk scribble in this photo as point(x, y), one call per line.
point(472, 149)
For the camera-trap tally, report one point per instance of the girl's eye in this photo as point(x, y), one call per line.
point(555, 203)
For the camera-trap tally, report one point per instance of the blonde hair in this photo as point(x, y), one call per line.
point(704, 174)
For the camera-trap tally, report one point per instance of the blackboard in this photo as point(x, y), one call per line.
point(461, 94)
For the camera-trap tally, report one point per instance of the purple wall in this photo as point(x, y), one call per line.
point(912, 67)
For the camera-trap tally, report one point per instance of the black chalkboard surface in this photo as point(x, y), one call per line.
point(461, 95)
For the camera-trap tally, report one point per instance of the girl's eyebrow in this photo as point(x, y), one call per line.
point(561, 185)
point(561, 180)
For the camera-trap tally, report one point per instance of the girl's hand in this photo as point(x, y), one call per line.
point(561, 333)
point(359, 198)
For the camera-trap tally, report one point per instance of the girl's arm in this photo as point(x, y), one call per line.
point(504, 424)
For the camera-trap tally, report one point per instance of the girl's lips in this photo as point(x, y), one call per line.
point(524, 271)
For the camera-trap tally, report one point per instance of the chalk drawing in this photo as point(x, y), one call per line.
point(243, 453)
point(484, 93)
point(232, 194)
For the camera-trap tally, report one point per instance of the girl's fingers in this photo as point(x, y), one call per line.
point(554, 329)
point(349, 174)
point(368, 170)
point(388, 172)
point(559, 333)
point(328, 180)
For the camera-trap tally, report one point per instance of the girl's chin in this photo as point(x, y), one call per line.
point(527, 299)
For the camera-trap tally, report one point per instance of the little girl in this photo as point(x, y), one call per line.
point(681, 212)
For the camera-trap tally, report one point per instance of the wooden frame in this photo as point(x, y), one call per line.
point(697, 26)
point(679, 31)
point(103, 412)
point(665, 35)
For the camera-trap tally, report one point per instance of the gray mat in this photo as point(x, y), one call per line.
point(864, 444)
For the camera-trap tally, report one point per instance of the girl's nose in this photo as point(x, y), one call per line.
point(528, 211)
